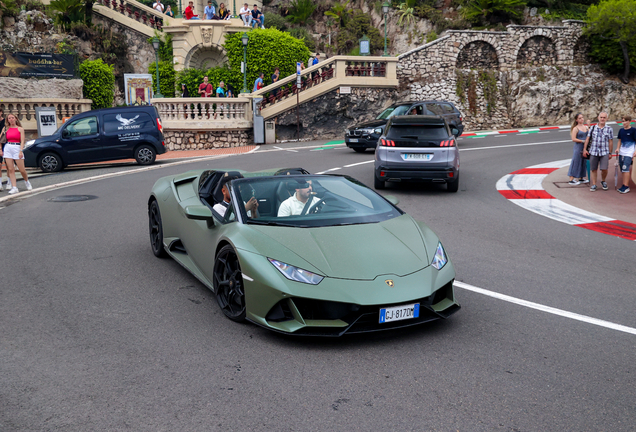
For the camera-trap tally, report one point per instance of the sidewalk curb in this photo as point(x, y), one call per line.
point(524, 188)
point(527, 130)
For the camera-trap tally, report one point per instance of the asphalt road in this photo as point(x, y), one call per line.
point(98, 334)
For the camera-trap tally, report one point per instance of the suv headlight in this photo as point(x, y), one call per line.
point(440, 259)
point(29, 144)
point(347, 132)
point(295, 273)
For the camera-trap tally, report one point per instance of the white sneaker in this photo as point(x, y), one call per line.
point(28, 185)
point(14, 190)
point(8, 186)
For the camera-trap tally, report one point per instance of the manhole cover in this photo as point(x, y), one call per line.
point(72, 198)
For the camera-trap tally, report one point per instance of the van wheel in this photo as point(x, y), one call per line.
point(50, 162)
point(145, 155)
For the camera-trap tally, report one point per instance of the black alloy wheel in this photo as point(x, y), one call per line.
point(145, 155)
point(228, 284)
point(156, 230)
point(50, 162)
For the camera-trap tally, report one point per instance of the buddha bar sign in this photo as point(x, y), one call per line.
point(43, 65)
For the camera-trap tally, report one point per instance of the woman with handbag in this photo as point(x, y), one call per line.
point(578, 133)
point(14, 134)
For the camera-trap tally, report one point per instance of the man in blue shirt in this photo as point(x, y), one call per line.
point(258, 19)
point(626, 151)
point(220, 91)
point(259, 84)
point(209, 11)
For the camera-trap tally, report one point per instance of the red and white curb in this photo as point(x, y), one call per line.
point(524, 188)
point(526, 131)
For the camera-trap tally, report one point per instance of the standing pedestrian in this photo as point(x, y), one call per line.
point(259, 83)
point(275, 77)
point(316, 59)
point(578, 133)
point(169, 11)
point(626, 150)
point(220, 91)
point(184, 91)
point(601, 137)
point(2, 120)
point(205, 88)
point(13, 152)
point(158, 6)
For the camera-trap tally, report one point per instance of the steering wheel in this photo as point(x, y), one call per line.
point(316, 208)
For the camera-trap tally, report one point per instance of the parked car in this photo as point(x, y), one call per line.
point(351, 261)
point(366, 135)
point(100, 135)
point(417, 148)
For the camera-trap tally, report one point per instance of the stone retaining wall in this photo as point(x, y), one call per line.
point(200, 140)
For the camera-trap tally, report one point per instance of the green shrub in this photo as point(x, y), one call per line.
point(358, 26)
point(608, 54)
point(67, 12)
point(266, 50)
point(9, 8)
point(273, 20)
point(493, 11)
point(300, 11)
point(166, 78)
point(431, 36)
point(99, 83)
point(303, 34)
point(193, 77)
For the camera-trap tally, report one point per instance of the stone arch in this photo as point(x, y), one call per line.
point(537, 50)
point(579, 52)
point(478, 54)
point(202, 57)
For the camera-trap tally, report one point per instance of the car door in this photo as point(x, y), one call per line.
point(123, 132)
point(81, 141)
point(451, 116)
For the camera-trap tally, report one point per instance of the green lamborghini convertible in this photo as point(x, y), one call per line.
point(302, 254)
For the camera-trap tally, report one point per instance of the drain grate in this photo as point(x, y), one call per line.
point(72, 198)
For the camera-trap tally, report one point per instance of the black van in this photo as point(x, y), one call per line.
point(366, 135)
point(100, 135)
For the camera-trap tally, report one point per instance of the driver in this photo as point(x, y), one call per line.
point(251, 206)
point(294, 205)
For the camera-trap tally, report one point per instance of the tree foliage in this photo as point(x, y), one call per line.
point(266, 50)
point(99, 83)
point(493, 11)
point(300, 11)
point(614, 20)
point(341, 13)
point(359, 25)
point(68, 12)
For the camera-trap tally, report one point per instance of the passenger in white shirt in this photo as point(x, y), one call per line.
point(158, 6)
point(221, 208)
point(246, 15)
point(294, 205)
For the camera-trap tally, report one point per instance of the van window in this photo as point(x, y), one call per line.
point(82, 127)
point(126, 122)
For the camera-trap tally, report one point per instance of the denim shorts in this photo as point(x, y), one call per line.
point(624, 162)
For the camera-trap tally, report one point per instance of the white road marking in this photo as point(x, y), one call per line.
point(548, 309)
point(290, 150)
point(300, 148)
point(329, 170)
point(521, 182)
point(359, 163)
point(559, 211)
point(513, 145)
point(544, 132)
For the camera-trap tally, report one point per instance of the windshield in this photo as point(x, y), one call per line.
point(392, 111)
point(310, 201)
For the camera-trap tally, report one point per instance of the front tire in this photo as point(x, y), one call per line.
point(50, 162)
point(378, 184)
point(145, 155)
point(156, 230)
point(228, 284)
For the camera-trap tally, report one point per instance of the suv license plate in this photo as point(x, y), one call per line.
point(353, 139)
point(417, 156)
point(399, 313)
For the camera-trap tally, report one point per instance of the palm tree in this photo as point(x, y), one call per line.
point(340, 13)
point(406, 14)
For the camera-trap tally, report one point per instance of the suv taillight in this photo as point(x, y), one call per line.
point(450, 143)
point(159, 125)
point(387, 143)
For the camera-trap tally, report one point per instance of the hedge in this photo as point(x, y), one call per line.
point(99, 83)
point(166, 78)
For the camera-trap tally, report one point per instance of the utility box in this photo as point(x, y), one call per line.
point(270, 132)
point(259, 121)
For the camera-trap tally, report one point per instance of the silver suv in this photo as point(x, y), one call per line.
point(417, 148)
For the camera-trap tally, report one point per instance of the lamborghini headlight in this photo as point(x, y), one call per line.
point(440, 259)
point(295, 273)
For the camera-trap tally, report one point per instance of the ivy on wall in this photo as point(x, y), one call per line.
point(466, 88)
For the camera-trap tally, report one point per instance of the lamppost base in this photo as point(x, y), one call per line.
point(158, 95)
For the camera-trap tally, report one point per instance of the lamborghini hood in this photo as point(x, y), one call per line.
point(360, 252)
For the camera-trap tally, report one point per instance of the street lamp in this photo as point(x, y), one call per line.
point(155, 44)
point(385, 10)
point(245, 39)
point(179, 11)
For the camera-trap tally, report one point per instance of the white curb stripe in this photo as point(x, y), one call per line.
point(521, 182)
point(559, 211)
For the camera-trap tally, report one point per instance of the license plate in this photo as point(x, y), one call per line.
point(398, 313)
point(353, 139)
point(417, 156)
